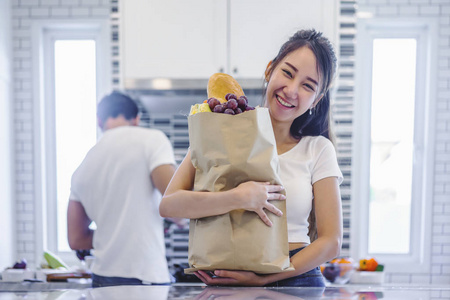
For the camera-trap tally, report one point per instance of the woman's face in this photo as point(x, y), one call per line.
point(293, 86)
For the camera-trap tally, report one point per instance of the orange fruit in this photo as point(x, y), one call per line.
point(346, 260)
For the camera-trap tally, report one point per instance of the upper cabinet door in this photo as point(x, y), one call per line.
point(258, 28)
point(181, 39)
point(172, 38)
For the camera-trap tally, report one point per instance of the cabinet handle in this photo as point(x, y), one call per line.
point(235, 70)
point(221, 70)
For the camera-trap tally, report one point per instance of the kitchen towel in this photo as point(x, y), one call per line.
point(227, 150)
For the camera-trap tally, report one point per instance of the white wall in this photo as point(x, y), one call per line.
point(440, 241)
point(24, 13)
point(7, 244)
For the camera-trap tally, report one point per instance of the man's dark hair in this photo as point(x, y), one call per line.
point(116, 104)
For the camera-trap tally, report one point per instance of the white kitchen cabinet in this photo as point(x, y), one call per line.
point(172, 38)
point(258, 28)
point(179, 39)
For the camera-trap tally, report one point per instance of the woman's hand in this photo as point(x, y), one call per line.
point(255, 196)
point(180, 201)
point(224, 277)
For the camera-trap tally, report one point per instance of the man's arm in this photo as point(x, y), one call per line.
point(78, 232)
point(161, 177)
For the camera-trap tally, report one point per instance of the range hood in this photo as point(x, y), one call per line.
point(165, 100)
point(183, 84)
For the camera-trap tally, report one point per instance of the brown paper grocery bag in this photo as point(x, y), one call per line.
point(227, 150)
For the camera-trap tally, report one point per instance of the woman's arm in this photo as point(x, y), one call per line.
point(324, 248)
point(327, 201)
point(180, 201)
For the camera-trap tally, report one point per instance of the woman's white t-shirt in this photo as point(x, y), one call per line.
point(312, 159)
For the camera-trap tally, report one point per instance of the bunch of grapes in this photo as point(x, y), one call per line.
point(20, 264)
point(233, 106)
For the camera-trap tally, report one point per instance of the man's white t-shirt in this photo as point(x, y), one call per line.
point(114, 186)
point(312, 159)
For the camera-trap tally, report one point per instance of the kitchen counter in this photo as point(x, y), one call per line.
point(39, 286)
point(201, 292)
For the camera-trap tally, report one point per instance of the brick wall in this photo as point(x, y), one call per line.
point(440, 243)
point(24, 12)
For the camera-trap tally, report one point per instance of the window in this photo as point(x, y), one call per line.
point(391, 166)
point(392, 138)
point(73, 75)
point(75, 118)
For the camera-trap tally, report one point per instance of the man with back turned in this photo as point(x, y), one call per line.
point(119, 186)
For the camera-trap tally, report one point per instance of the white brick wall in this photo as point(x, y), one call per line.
point(440, 245)
point(23, 13)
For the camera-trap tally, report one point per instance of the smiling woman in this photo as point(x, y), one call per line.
point(308, 169)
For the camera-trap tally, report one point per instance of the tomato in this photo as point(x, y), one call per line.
point(371, 264)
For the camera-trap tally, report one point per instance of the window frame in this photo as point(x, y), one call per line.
point(424, 31)
point(45, 33)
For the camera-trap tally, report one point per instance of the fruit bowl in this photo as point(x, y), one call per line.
point(338, 270)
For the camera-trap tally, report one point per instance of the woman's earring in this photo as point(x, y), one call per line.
point(310, 111)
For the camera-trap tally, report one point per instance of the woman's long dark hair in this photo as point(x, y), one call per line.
point(319, 121)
